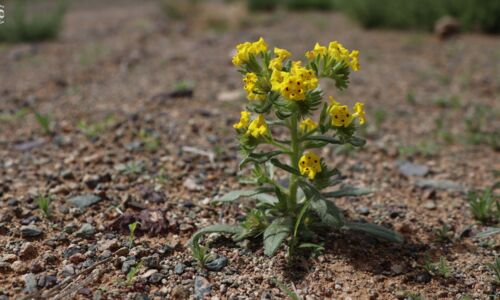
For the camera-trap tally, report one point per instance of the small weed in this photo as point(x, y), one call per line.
point(162, 177)
point(132, 227)
point(380, 115)
point(484, 207)
point(13, 116)
point(133, 168)
point(426, 149)
point(447, 102)
point(45, 123)
point(150, 142)
point(411, 98)
point(21, 26)
point(285, 289)
point(132, 274)
point(495, 268)
point(440, 268)
point(43, 203)
point(444, 234)
point(93, 131)
point(201, 254)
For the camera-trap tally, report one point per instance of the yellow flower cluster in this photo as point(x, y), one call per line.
point(309, 164)
point(258, 127)
point(308, 125)
point(295, 84)
point(250, 80)
point(341, 115)
point(337, 52)
point(277, 62)
point(245, 50)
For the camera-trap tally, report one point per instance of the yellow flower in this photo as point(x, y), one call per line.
point(250, 80)
point(246, 49)
point(244, 120)
point(354, 63)
point(309, 164)
point(295, 84)
point(282, 53)
point(342, 117)
point(317, 51)
point(359, 112)
point(308, 125)
point(258, 127)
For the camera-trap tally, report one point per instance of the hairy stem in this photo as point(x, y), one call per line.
point(295, 163)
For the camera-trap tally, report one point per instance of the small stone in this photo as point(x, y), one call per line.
point(86, 231)
point(28, 250)
point(192, 185)
point(36, 267)
point(71, 250)
point(50, 281)
point(30, 283)
point(148, 273)
point(30, 231)
point(180, 293)
point(179, 268)
point(152, 261)
point(201, 287)
point(5, 266)
point(423, 277)
point(12, 202)
point(68, 270)
point(127, 265)
point(111, 245)
point(217, 264)
point(155, 277)
point(410, 169)
point(77, 258)
point(439, 184)
point(67, 174)
point(122, 251)
point(84, 201)
point(397, 269)
point(18, 267)
point(363, 210)
point(91, 181)
point(9, 258)
point(430, 205)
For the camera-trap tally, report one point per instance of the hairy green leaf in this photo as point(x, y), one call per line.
point(224, 228)
point(488, 232)
point(275, 234)
point(348, 191)
point(285, 167)
point(260, 158)
point(324, 138)
point(235, 195)
point(375, 231)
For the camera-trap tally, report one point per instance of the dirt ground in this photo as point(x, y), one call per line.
point(129, 135)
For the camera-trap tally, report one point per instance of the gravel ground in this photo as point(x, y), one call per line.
point(128, 144)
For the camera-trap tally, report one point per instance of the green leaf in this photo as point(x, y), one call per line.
point(357, 142)
point(303, 211)
point(275, 234)
point(314, 246)
point(348, 191)
point(291, 294)
point(260, 158)
point(266, 199)
point(224, 228)
point(375, 231)
point(488, 232)
point(285, 167)
point(235, 195)
point(324, 138)
point(326, 210)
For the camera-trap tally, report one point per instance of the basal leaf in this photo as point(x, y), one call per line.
point(488, 232)
point(348, 191)
point(235, 195)
point(375, 231)
point(224, 228)
point(275, 234)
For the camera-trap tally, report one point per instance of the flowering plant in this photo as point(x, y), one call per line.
point(298, 211)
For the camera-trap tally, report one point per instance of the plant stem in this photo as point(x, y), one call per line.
point(295, 163)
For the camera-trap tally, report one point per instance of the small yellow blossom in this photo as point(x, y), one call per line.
point(309, 164)
point(359, 112)
point(250, 80)
point(317, 51)
point(245, 50)
point(276, 80)
point(308, 125)
point(354, 63)
point(277, 62)
point(342, 117)
point(282, 53)
point(258, 127)
point(244, 120)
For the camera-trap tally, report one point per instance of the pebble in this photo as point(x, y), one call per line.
point(86, 231)
point(30, 283)
point(439, 184)
point(179, 268)
point(30, 231)
point(152, 261)
point(423, 277)
point(18, 266)
point(430, 205)
point(410, 169)
point(84, 201)
point(191, 185)
point(217, 264)
point(91, 181)
point(397, 269)
point(127, 265)
point(77, 258)
point(201, 287)
point(363, 210)
point(122, 251)
point(28, 250)
point(68, 270)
